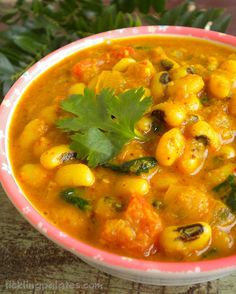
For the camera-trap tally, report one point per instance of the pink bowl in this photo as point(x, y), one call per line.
point(159, 273)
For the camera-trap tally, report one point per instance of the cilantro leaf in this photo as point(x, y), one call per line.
point(102, 124)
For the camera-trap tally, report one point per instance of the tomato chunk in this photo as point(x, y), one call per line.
point(85, 69)
point(122, 52)
point(139, 229)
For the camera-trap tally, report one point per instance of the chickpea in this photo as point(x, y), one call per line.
point(74, 175)
point(193, 157)
point(219, 86)
point(130, 185)
point(174, 114)
point(32, 132)
point(33, 175)
point(56, 156)
point(187, 239)
point(229, 65)
point(123, 64)
point(170, 147)
point(77, 88)
point(202, 130)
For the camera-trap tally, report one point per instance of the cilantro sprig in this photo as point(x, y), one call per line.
point(102, 124)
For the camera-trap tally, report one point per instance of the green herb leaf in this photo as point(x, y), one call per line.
point(227, 192)
point(137, 166)
point(101, 125)
point(71, 196)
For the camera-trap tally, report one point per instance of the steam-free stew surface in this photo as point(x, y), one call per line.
point(168, 191)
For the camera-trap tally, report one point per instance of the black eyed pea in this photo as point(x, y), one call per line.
point(123, 64)
point(204, 132)
point(49, 114)
point(181, 72)
point(74, 175)
point(56, 156)
point(229, 65)
point(77, 88)
point(159, 84)
point(193, 158)
point(183, 87)
point(33, 175)
point(216, 176)
point(130, 185)
point(219, 86)
point(174, 114)
point(32, 132)
point(170, 147)
point(186, 240)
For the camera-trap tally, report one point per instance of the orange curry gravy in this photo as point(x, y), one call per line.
point(171, 212)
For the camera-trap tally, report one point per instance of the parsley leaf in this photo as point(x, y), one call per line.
point(102, 124)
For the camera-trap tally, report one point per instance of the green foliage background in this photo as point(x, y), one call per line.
point(37, 28)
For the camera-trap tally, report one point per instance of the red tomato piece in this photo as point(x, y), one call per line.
point(138, 231)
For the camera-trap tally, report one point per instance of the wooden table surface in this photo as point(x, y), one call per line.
point(29, 263)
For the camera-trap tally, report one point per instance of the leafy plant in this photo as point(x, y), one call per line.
point(101, 125)
point(37, 28)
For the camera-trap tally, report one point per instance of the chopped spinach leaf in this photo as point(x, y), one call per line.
point(136, 166)
point(71, 196)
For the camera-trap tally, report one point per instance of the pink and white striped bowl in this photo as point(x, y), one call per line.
point(159, 273)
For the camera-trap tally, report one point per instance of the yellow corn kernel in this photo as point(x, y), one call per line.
point(32, 132)
point(163, 180)
point(226, 152)
point(56, 156)
point(232, 104)
point(170, 147)
point(219, 86)
point(190, 84)
point(144, 125)
point(203, 130)
point(158, 88)
point(49, 114)
point(229, 65)
point(130, 185)
point(74, 175)
point(33, 175)
point(180, 72)
point(174, 114)
point(219, 175)
point(77, 88)
point(123, 64)
point(193, 157)
point(185, 240)
point(41, 145)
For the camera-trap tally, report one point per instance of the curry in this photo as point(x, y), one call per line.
point(130, 146)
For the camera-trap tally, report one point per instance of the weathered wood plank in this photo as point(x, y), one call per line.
point(27, 256)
